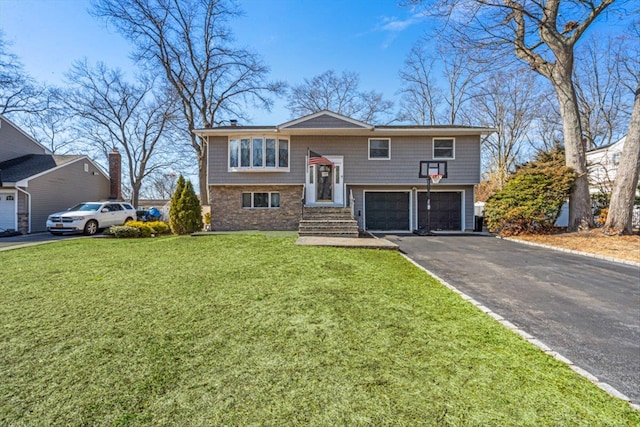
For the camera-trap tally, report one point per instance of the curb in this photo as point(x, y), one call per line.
point(573, 251)
point(43, 242)
point(25, 245)
point(530, 338)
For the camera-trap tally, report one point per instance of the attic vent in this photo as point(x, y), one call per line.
point(86, 167)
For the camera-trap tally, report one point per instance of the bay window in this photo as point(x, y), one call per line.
point(258, 153)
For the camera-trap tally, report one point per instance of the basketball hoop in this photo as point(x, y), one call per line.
point(435, 178)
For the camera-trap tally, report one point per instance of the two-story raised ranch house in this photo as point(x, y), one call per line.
point(259, 177)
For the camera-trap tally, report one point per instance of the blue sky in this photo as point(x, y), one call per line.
point(297, 38)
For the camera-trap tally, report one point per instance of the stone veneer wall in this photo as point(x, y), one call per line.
point(23, 223)
point(228, 214)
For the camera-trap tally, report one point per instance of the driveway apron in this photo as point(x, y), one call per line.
point(586, 309)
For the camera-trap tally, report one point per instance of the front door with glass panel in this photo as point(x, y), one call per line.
point(324, 183)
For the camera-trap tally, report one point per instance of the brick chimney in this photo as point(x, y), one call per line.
point(234, 123)
point(115, 175)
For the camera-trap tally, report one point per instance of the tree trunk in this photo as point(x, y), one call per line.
point(580, 214)
point(203, 188)
point(135, 194)
point(200, 147)
point(620, 213)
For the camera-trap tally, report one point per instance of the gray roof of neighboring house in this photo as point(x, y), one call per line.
point(604, 147)
point(31, 164)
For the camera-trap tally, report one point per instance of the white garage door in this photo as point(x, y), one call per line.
point(7, 210)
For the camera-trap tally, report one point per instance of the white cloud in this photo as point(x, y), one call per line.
point(393, 24)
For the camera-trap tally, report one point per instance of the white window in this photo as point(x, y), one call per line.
point(616, 158)
point(379, 149)
point(258, 153)
point(444, 148)
point(260, 200)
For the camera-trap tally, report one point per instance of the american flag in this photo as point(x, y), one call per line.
point(318, 159)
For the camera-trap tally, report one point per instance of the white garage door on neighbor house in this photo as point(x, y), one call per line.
point(7, 211)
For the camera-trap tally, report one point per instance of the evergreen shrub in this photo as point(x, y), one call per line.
point(123, 231)
point(143, 229)
point(532, 198)
point(185, 215)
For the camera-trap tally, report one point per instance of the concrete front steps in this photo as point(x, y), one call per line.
point(327, 222)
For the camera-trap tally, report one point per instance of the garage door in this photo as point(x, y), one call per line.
point(446, 211)
point(386, 210)
point(7, 210)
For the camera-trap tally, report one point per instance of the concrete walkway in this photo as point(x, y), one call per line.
point(345, 242)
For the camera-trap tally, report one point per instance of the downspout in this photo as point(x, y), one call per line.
point(28, 208)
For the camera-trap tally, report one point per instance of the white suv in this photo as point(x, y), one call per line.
point(89, 217)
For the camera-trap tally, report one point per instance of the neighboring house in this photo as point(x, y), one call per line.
point(34, 182)
point(602, 164)
point(260, 177)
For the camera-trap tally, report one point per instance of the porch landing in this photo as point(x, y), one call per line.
point(347, 242)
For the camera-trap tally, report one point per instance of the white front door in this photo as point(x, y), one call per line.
point(325, 183)
point(8, 216)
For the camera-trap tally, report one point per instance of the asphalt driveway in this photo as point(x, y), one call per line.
point(586, 309)
point(12, 242)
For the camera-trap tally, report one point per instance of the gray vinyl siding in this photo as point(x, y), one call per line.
point(14, 143)
point(62, 188)
point(219, 163)
point(401, 169)
point(324, 122)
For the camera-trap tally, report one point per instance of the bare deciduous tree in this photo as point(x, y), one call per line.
point(508, 100)
point(191, 42)
point(161, 186)
point(340, 94)
point(543, 35)
point(112, 113)
point(422, 97)
point(51, 126)
point(19, 93)
point(604, 100)
point(546, 131)
point(462, 77)
point(438, 85)
point(624, 188)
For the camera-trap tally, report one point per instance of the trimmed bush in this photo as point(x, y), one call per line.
point(159, 227)
point(532, 199)
point(143, 229)
point(123, 231)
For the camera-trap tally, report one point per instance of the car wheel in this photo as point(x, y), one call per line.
point(128, 219)
point(91, 227)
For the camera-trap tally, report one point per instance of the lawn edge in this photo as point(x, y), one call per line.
point(573, 251)
point(530, 338)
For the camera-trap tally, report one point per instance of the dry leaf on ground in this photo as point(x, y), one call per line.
point(592, 241)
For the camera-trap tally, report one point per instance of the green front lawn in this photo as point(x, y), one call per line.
point(250, 330)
